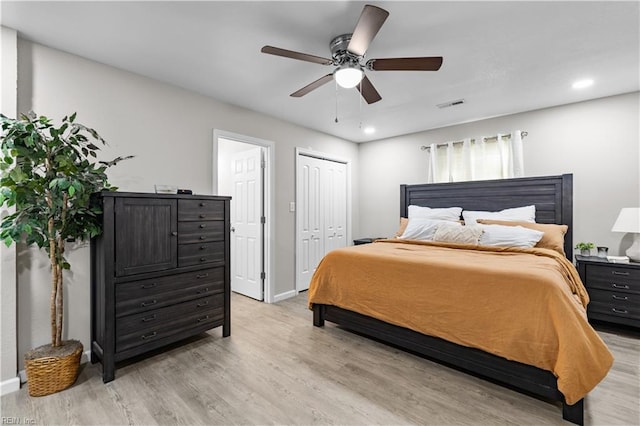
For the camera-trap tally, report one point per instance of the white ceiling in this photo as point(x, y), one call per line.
point(501, 57)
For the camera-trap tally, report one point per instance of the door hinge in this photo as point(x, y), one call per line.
point(263, 219)
point(263, 164)
point(263, 275)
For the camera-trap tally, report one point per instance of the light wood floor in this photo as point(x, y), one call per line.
point(276, 368)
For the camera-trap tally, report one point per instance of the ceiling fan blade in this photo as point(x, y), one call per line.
point(296, 55)
point(312, 86)
point(368, 92)
point(371, 19)
point(406, 64)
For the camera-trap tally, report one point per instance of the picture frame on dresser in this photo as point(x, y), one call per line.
point(160, 272)
point(614, 290)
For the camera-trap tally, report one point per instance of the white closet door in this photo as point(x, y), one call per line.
point(321, 199)
point(246, 225)
point(310, 247)
point(335, 224)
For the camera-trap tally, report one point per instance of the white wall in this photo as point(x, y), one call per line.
point(598, 141)
point(169, 130)
point(8, 321)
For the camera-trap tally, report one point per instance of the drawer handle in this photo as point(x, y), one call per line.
point(200, 276)
point(202, 216)
point(615, 297)
point(205, 303)
point(145, 304)
point(174, 233)
point(203, 247)
point(202, 259)
point(149, 336)
point(620, 311)
point(201, 204)
point(205, 290)
point(202, 225)
point(622, 286)
point(202, 237)
point(203, 319)
point(146, 286)
point(151, 318)
point(624, 274)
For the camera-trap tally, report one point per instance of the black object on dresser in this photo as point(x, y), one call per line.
point(614, 290)
point(160, 272)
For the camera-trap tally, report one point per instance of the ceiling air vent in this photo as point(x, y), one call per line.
point(451, 103)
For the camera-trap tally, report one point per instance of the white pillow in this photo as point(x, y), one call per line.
point(449, 233)
point(526, 214)
point(423, 228)
point(448, 213)
point(508, 236)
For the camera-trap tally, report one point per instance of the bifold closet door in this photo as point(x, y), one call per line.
point(321, 200)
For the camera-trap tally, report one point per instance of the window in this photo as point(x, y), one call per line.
point(496, 157)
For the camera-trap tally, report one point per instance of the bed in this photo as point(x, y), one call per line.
point(552, 197)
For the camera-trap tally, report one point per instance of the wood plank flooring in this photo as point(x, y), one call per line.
point(276, 368)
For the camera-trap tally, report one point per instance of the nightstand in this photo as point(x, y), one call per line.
point(365, 240)
point(614, 290)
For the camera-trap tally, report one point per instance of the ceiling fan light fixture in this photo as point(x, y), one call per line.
point(348, 77)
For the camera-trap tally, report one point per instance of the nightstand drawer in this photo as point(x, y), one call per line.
point(615, 298)
point(614, 310)
point(609, 277)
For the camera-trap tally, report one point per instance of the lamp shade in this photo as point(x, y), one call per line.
point(348, 77)
point(628, 220)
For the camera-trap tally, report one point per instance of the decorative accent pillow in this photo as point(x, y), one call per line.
point(525, 214)
point(508, 236)
point(424, 229)
point(448, 213)
point(403, 225)
point(553, 237)
point(449, 233)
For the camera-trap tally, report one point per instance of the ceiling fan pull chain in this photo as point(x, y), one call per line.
point(336, 83)
point(360, 104)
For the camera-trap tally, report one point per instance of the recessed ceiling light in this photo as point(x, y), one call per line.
point(581, 84)
point(369, 130)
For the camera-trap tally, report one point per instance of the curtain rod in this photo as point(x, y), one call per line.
point(508, 135)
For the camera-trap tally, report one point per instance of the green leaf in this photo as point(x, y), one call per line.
point(72, 190)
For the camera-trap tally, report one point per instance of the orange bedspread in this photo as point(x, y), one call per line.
point(526, 305)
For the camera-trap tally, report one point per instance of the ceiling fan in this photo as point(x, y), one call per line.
point(347, 54)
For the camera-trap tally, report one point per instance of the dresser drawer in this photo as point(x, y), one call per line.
point(608, 277)
point(200, 231)
point(197, 254)
point(189, 210)
point(140, 329)
point(145, 295)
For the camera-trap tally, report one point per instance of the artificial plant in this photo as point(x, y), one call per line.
point(48, 174)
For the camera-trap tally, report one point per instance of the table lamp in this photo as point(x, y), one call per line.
point(629, 221)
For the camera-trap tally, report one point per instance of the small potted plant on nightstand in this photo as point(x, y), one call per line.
point(585, 248)
point(48, 174)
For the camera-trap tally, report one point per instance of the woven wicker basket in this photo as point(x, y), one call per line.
point(51, 374)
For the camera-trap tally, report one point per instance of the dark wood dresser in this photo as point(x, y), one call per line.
point(614, 290)
point(160, 272)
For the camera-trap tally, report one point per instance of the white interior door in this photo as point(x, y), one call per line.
point(321, 203)
point(246, 223)
point(335, 223)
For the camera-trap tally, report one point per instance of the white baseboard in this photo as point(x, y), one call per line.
point(8, 386)
point(86, 356)
point(286, 295)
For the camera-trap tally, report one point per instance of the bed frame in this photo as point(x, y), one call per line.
point(553, 198)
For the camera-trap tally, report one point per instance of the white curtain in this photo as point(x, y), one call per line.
point(496, 157)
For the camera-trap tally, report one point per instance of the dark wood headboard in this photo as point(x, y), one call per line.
point(552, 196)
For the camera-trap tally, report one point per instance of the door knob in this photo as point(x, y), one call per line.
point(233, 229)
